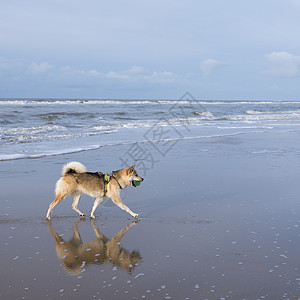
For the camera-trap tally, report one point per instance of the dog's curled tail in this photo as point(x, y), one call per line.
point(74, 166)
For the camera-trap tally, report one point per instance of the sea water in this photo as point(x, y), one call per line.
point(31, 128)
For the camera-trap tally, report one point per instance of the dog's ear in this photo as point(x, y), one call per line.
point(130, 170)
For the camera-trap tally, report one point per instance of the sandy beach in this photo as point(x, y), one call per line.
point(219, 219)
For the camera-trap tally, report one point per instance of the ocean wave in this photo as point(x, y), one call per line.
point(13, 102)
point(254, 112)
point(31, 130)
point(245, 127)
point(265, 117)
point(4, 157)
point(72, 102)
point(135, 102)
point(203, 113)
point(252, 102)
point(58, 115)
point(94, 102)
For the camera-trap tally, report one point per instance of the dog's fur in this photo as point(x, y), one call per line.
point(76, 180)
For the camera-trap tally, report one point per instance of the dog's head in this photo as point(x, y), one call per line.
point(133, 175)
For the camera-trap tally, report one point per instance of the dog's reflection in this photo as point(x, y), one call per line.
point(76, 255)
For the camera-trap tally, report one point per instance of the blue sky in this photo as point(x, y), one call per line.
point(233, 49)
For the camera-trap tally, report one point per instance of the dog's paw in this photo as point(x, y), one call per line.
point(81, 215)
point(135, 215)
point(92, 216)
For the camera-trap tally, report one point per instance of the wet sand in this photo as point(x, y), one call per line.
point(219, 219)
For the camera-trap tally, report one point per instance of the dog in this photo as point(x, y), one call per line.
point(76, 180)
point(76, 255)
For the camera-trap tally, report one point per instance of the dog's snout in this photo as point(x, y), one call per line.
point(142, 179)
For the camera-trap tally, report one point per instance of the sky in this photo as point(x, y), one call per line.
point(150, 49)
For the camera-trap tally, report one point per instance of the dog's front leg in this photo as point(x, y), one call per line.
point(99, 235)
point(117, 200)
point(96, 204)
point(76, 240)
point(116, 239)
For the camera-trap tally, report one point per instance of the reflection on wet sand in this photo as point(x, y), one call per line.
point(76, 255)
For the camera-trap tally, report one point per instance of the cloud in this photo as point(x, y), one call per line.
point(69, 77)
point(136, 73)
point(43, 77)
point(283, 64)
point(133, 73)
point(208, 66)
point(36, 68)
point(68, 71)
point(162, 77)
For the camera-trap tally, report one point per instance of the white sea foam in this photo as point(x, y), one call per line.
point(11, 156)
point(4, 157)
point(85, 102)
point(32, 130)
point(229, 102)
point(13, 102)
point(254, 112)
point(137, 101)
point(261, 117)
point(245, 127)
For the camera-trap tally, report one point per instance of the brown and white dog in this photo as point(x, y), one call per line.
point(76, 180)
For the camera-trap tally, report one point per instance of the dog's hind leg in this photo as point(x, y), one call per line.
point(76, 197)
point(96, 204)
point(63, 189)
point(58, 199)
